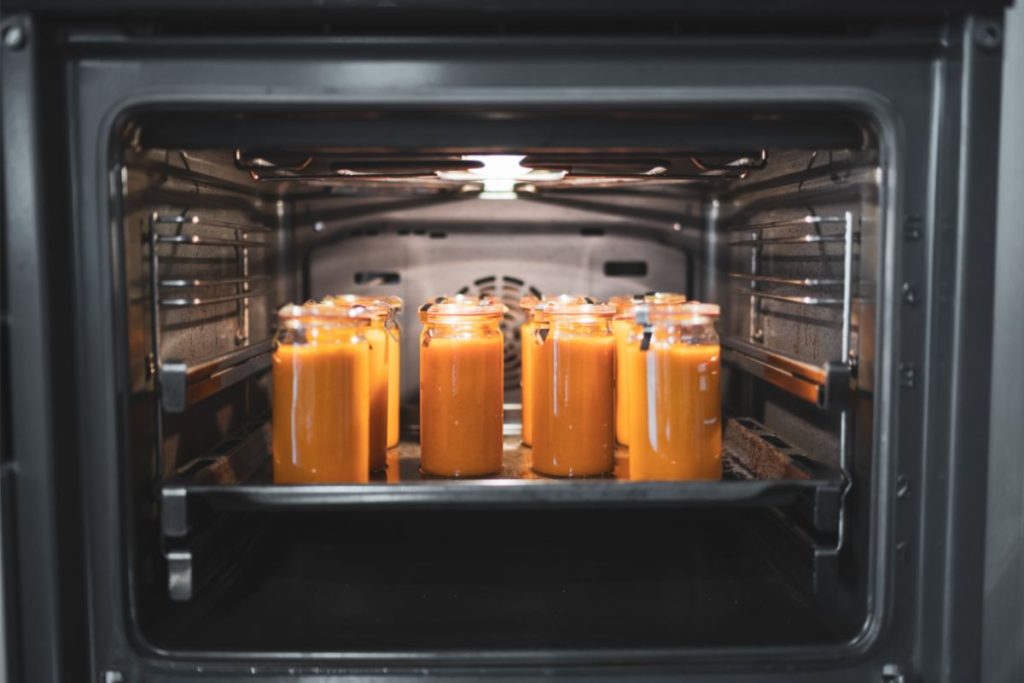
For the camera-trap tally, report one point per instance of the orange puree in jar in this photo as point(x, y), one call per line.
point(394, 382)
point(379, 314)
point(321, 407)
point(622, 327)
point(461, 387)
point(675, 414)
point(377, 336)
point(573, 375)
point(526, 376)
point(528, 304)
point(388, 361)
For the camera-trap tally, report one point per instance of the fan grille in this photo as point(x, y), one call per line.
point(509, 289)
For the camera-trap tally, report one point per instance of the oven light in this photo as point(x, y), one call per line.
point(499, 174)
point(498, 166)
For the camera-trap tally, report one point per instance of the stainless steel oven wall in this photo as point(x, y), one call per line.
point(199, 255)
point(798, 255)
point(931, 90)
point(797, 248)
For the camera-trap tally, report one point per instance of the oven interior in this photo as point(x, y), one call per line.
point(224, 217)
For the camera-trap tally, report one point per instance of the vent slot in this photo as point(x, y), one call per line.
point(377, 277)
point(625, 268)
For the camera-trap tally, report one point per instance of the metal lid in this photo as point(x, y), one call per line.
point(462, 305)
point(691, 312)
point(576, 311)
point(393, 303)
point(626, 304)
point(329, 312)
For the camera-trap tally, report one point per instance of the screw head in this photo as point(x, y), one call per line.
point(988, 35)
point(14, 37)
point(909, 293)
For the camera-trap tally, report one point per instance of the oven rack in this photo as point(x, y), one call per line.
point(183, 383)
point(829, 385)
point(210, 495)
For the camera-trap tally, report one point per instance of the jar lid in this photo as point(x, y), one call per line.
point(463, 305)
point(625, 305)
point(332, 311)
point(691, 312)
point(577, 312)
point(393, 303)
point(528, 303)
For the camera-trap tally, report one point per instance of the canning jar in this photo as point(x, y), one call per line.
point(573, 390)
point(461, 386)
point(527, 304)
point(321, 403)
point(384, 338)
point(379, 334)
point(675, 411)
point(622, 325)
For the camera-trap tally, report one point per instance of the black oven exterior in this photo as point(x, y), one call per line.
point(928, 84)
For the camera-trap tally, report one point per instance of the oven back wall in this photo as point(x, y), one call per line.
point(508, 248)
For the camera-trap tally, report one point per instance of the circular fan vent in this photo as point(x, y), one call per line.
point(510, 290)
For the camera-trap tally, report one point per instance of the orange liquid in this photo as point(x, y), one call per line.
point(573, 418)
point(526, 344)
point(321, 413)
point(461, 394)
point(675, 413)
point(394, 384)
point(377, 336)
point(621, 330)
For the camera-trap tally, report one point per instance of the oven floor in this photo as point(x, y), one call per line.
point(393, 580)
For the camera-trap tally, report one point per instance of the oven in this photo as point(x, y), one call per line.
point(175, 172)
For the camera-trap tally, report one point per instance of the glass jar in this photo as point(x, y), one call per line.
point(379, 333)
point(675, 411)
point(384, 338)
point(573, 385)
point(528, 304)
point(622, 325)
point(321, 397)
point(461, 386)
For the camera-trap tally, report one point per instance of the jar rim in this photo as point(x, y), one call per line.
point(576, 310)
point(530, 302)
point(391, 304)
point(313, 310)
point(625, 304)
point(463, 306)
point(693, 312)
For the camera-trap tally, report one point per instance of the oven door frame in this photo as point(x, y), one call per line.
point(922, 91)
